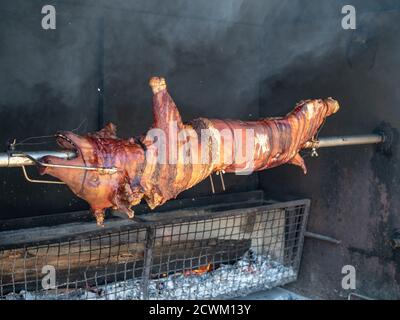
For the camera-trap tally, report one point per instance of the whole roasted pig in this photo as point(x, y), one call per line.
point(174, 156)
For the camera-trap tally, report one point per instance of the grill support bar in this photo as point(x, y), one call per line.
point(148, 257)
point(321, 237)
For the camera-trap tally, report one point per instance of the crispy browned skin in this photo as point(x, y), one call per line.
point(276, 141)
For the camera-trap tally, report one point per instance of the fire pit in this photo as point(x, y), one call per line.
point(213, 251)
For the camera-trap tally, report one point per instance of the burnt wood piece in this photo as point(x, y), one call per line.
point(95, 263)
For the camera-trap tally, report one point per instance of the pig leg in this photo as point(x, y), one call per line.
point(126, 197)
point(99, 214)
point(165, 111)
point(297, 160)
point(123, 205)
point(129, 212)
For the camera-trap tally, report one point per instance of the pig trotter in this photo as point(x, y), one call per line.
point(157, 84)
point(299, 161)
point(99, 214)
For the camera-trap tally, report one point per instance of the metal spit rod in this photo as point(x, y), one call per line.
point(19, 160)
point(345, 141)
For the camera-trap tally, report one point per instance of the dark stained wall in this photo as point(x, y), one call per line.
point(208, 51)
point(354, 191)
point(226, 58)
point(48, 81)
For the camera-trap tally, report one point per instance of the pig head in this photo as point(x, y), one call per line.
point(100, 150)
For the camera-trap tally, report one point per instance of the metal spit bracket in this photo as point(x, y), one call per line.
point(315, 144)
point(38, 181)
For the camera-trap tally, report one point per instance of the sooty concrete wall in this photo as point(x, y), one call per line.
point(227, 58)
point(354, 190)
point(50, 79)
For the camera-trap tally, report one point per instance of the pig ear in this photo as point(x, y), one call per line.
point(109, 131)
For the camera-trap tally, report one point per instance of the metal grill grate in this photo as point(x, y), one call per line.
point(214, 254)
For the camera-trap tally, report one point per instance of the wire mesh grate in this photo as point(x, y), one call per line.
point(201, 256)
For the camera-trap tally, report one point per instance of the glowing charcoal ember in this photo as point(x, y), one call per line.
point(201, 270)
point(225, 281)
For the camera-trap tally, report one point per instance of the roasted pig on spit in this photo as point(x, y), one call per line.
point(174, 156)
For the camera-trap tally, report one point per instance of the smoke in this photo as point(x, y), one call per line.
point(214, 55)
point(202, 44)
